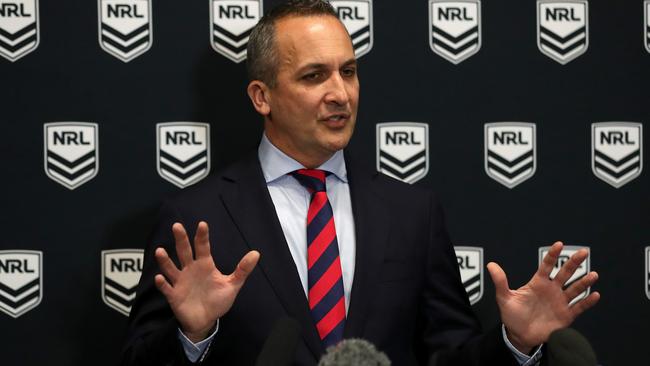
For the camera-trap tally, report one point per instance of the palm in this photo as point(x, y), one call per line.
point(199, 293)
point(532, 312)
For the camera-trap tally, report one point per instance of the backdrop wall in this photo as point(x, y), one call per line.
point(79, 200)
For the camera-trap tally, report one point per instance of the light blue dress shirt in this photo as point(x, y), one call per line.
point(291, 201)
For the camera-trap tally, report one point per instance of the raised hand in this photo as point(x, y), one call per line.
point(532, 312)
point(198, 292)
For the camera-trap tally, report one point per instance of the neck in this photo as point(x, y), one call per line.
point(311, 160)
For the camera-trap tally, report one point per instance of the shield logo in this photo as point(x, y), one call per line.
point(356, 15)
point(121, 271)
point(562, 29)
point(231, 24)
point(21, 281)
point(71, 152)
point(403, 150)
point(510, 152)
point(19, 28)
point(646, 24)
point(617, 151)
point(125, 27)
point(582, 270)
point(183, 150)
point(455, 29)
point(470, 264)
point(647, 272)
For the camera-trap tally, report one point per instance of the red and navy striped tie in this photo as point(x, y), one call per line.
point(326, 299)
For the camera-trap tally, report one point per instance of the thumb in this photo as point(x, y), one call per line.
point(499, 278)
point(245, 267)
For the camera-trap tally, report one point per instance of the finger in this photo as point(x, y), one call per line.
point(183, 248)
point(164, 286)
point(202, 240)
point(570, 266)
point(581, 285)
point(500, 279)
point(245, 267)
point(167, 267)
point(582, 305)
point(550, 259)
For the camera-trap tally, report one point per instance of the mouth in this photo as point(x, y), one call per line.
point(336, 120)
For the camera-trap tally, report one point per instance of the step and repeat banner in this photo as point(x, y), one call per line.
point(527, 117)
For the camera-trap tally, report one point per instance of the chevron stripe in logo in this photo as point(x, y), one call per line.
point(403, 150)
point(71, 152)
point(646, 24)
point(562, 29)
point(21, 281)
point(455, 29)
point(121, 271)
point(617, 151)
point(125, 27)
point(183, 152)
point(582, 270)
point(470, 264)
point(231, 24)
point(356, 15)
point(510, 156)
point(19, 28)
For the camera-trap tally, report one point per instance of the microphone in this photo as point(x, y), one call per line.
point(567, 347)
point(280, 347)
point(354, 352)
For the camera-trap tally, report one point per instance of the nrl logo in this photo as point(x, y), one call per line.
point(403, 150)
point(562, 29)
point(183, 150)
point(582, 270)
point(510, 152)
point(455, 28)
point(470, 264)
point(18, 28)
point(125, 27)
point(121, 271)
point(231, 24)
point(21, 281)
point(647, 272)
point(71, 152)
point(356, 15)
point(616, 151)
point(646, 25)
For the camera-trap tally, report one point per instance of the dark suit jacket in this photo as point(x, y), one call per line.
point(406, 298)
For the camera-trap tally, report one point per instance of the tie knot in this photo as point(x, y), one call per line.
point(312, 179)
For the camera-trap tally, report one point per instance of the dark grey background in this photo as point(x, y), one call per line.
point(69, 78)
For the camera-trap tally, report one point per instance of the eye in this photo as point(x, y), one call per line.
point(349, 71)
point(313, 76)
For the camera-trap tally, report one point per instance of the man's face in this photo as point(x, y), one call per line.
point(313, 106)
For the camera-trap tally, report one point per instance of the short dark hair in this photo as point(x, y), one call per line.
point(261, 53)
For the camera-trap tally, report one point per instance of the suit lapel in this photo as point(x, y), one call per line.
point(371, 222)
point(251, 208)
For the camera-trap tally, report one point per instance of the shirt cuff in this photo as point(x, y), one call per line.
point(522, 359)
point(196, 351)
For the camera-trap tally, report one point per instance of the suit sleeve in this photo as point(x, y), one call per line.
point(450, 331)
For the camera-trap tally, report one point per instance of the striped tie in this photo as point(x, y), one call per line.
point(326, 300)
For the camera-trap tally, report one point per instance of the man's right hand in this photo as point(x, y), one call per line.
point(198, 292)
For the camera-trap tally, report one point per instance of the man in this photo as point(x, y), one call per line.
point(344, 251)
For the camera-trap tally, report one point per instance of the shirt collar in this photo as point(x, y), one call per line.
point(276, 164)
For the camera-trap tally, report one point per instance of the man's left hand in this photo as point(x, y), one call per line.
point(532, 312)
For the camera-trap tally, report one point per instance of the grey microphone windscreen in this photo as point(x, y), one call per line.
point(354, 352)
point(567, 347)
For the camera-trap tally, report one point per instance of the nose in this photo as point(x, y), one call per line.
point(336, 90)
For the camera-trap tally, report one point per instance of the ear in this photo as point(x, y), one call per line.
point(259, 94)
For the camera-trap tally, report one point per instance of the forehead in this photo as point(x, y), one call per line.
point(312, 39)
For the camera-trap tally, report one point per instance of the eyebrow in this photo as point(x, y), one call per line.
point(316, 65)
